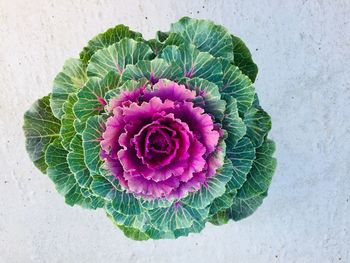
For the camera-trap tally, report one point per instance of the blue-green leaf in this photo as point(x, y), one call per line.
point(194, 63)
point(243, 58)
point(100, 186)
point(139, 220)
point(242, 208)
point(58, 169)
point(260, 176)
point(68, 81)
point(237, 85)
point(107, 38)
point(67, 130)
point(92, 135)
point(126, 203)
point(206, 36)
point(155, 203)
point(75, 159)
point(164, 39)
point(79, 126)
point(40, 129)
point(133, 233)
point(258, 124)
point(117, 56)
point(220, 218)
point(222, 202)
point(209, 94)
point(241, 156)
point(232, 123)
point(152, 70)
point(177, 216)
point(64, 180)
point(83, 197)
point(215, 187)
point(91, 96)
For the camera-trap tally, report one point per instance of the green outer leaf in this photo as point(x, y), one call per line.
point(206, 36)
point(69, 80)
point(154, 233)
point(107, 174)
point(67, 131)
point(126, 203)
point(155, 203)
point(117, 56)
point(107, 38)
point(220, 218)
point(169, 38)
point(258, 124)
point(215, 188)
point(59, 172)
point(134, 233)
point(243, 58)
point(107, 186)
point(138, 221)
point(92, 135)
point(91, 96)
point(177, 216)
point(232, 123)
point(238, 85)
point(161, 36)
point(240, 209)
point(58, 169)
point(75, 159)
point(197, 226)
point(194, 63)
point(85, 192)
point(83, 198)
point(165, 39)
point(100, 186)
point(243, 208)
point(172, 39)
point(260, 176)
point(142, 222)
point(242, 157)
point(222, 202)
point(157, 234)
point(40, 129)
point(212, 101)
point(79, 126)
point(156, 46)
point(256, 103)
point(152, 70)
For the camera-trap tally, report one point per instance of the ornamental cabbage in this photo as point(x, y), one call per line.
point(163, 134)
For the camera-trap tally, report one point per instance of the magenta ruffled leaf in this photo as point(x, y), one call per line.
point(161, 144)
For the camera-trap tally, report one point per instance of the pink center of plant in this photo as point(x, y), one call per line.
point(158, 144)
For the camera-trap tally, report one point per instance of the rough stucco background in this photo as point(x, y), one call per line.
point(302, 49)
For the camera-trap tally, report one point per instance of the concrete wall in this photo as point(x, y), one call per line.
point(303, 52)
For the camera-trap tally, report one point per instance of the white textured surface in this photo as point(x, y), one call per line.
point(302, 49)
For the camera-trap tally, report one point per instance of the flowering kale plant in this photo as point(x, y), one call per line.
point(163, 134)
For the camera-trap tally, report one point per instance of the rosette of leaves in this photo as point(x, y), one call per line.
point(165, 134)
